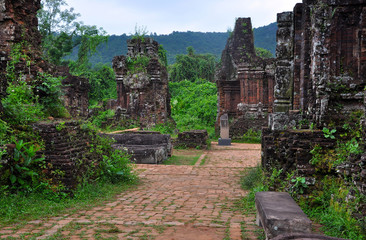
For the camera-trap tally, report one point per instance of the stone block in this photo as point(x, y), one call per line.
point(192, 139)
point(145, 154)
point(224, 126)
point(307, 236)
point(279, 214)
point(224, 141)
point(144, 147)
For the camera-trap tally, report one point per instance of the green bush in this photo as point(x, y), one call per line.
point(252, 178)
point(333, 207)
point(20, 105)
point(50, 90)
point(23, 171)
point(250, 136)
point(192, 66)
point(194, 105)
point(102, 117)
point(116, 167)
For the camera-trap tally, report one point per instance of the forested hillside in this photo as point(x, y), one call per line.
point(177, 43)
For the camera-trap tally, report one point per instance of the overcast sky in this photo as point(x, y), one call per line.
point(165, 16)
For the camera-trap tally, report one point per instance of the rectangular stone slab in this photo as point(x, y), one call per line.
point(278, 214)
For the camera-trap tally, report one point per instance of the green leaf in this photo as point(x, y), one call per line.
point(13, 178)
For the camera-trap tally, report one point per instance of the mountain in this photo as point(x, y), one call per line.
point(265, 37)
point(177, 42)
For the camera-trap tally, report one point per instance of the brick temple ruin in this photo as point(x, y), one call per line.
point(19, 24)
point(64, 149)
point(142, 91)
point(320, 80)
point(245, 82)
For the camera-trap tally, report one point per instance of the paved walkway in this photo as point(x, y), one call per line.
point(174, 202)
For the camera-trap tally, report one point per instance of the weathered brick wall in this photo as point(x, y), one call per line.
point(66, 149)
point(19, 24)
point(320, 79)
point(192, 139)
point(243, 123)
point(290, 150)
point(76, 93)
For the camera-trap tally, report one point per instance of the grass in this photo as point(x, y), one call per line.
point(252, 177)
point(184, 157)
point(203, 161)
point(20, 208)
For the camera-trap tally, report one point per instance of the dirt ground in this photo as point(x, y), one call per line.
point(173, 202)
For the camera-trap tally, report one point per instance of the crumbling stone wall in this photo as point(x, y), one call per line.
point(244, 80)
point(142, 95)
point(19, 24)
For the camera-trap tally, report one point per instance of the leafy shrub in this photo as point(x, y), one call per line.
point(113, 166)
point(250, 136)
point(23, 172)
point(102, 117)
point(165, 128)
point(194, 105)
point(192, 66)
point(49, 90)
point(20, 105)
point(252, 177)
point(116, 167)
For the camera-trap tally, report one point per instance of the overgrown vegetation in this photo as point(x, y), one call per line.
point(192, 66)
point(329, 199)
point(194, 105)
point(250, 136)
point(330, 205)
point(29, 186)
point(21, 207)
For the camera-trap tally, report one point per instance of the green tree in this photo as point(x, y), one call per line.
point(61, 32)
point(57, 28)
point(89, 38)
point(163, 55)
point(192, 66)
point(194, 105)
point(263, 53)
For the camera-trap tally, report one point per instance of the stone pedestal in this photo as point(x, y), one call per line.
point(225, 140)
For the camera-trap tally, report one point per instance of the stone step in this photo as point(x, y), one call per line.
point(279, 214)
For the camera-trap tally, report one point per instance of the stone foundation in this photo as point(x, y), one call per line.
point(192, 139)
point(145, 148)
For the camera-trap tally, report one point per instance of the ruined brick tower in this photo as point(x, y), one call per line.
point(321, 62)
point(244, 81)
point(320, 81)
point(19, 24)
point(142, 83)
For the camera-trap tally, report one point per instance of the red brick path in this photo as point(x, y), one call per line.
point(174, 202)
